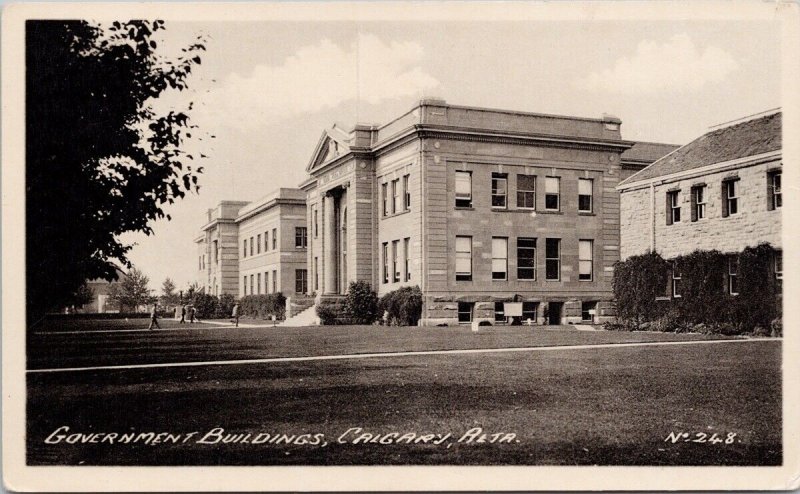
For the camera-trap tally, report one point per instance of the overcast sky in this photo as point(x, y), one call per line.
point(267, 90)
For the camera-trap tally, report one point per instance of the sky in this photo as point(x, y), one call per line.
point(267, 90)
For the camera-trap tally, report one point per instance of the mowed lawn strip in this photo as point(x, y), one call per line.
point(210, 344)
point(609, 406)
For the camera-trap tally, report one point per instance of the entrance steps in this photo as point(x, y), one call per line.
point(308, 317)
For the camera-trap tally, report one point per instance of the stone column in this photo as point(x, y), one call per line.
point(329, 245)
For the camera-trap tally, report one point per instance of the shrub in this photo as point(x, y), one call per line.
point(327, 316)
point(403, 307)
point(225, 305)
point(776, 327)
point(637, 282)
point(206, 305)
point(758, 299)
point(361, 303)
point(704, 297)
point(263, 306)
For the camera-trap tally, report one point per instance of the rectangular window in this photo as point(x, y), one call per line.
point(385, 198)
point(406, 193)
point(266, 282)
point(274, 281)
point(216, 251)
point(266, 241)
point(244, 285)
point(526, 258)
point(463, 258)
point(316, 224)
point(585, 195)
point(673, 207)
point(258, 283)
point(676, 281)
point(251, 246)
point(300, 237)
point(316, 273)
point(395, 195)
point(385, 262)
point(463, 189)
point(499, 190)
point(585, 260)
point(698, 202)
point(499, 258)
point(526, 191)
point(552, 193)
point(552, 258)
point(778, 268)
point(730, 197)
point(407, 261)
point(395, 263)
point(274, 238)
point(465, 311)
point(499, 312)
point(774, 194)
point(300, 281)
point(529, 312)
point(588, 311)
point(252, 292)
point(258, 244)
point(244, 250)
point(733, 275)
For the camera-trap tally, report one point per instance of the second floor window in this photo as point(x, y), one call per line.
point(552, 259)
point(585, 186)
point(244, 250)
point(258, 244)
point(698, 202)
point(730, 197)
point(274, 238)
point(251, 246)
point(526, 191)
point(499, 190)
point(316, 225)
point(463, 258)
point(385, 198)
point(385, 262)
point(552, 193)
point(774, 195)
point(673, 207)
point(395, 195)
point(300, 237)
point(463, 189)
point(499, 258)
point(406, 193)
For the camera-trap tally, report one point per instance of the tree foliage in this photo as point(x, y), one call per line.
point(637, 283)
point(403, 306)
point(99, 161)
point(168, 295)
point(361, 303)
point(132, 291)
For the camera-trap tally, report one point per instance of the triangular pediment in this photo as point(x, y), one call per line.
point(332, 144)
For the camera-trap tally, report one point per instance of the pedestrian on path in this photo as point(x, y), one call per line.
point(235, 315)
point(183, 314)
point(192, 311)
point(154, 317)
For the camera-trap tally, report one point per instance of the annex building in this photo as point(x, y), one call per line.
point(478, 207)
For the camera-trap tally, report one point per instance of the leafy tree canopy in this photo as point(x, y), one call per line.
point(99, 161)
point(132, 291)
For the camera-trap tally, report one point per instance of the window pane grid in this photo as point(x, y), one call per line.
point(526, 258)
point(526, 191)
point(499, 190)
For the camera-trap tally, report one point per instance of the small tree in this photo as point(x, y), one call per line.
point(132, 291)
point(361, 303)
point(168, 295)
point(84, 295)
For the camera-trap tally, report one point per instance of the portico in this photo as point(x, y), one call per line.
point(335, 240)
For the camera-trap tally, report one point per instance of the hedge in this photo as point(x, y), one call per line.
point(263, 306)
point(402, 307)
point(644, 300)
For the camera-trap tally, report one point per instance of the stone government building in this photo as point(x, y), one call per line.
point(477, 207)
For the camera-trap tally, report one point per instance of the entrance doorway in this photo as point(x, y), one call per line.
point(554, 312)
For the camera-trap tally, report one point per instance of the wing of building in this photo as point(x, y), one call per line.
point(477, 207)
point(722, 191)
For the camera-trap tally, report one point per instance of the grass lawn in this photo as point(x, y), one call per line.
point(609, 406)
point(78, 324)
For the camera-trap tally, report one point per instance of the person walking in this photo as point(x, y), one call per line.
point(192, 310)
point(183, 314)
point(235, 315)
point(154, 317)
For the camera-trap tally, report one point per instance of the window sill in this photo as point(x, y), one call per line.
point(464, 208)
point(551, 211)
point(395, 214)
point(587, 213)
